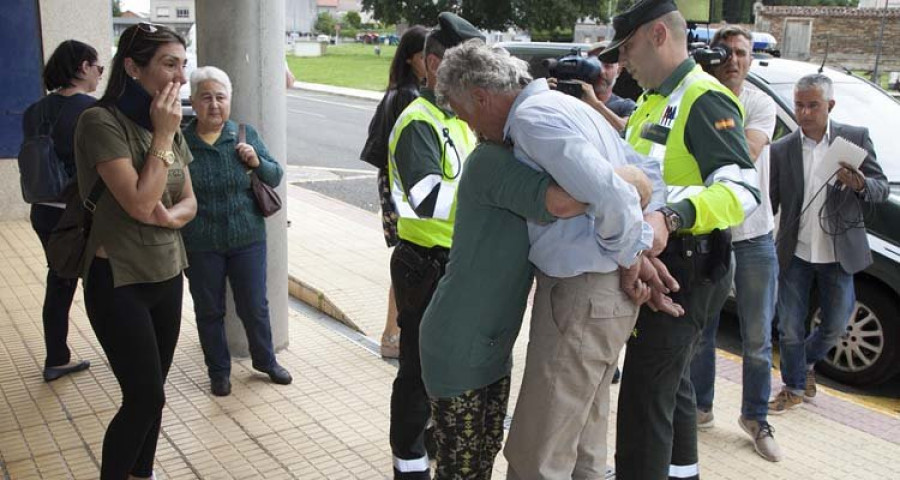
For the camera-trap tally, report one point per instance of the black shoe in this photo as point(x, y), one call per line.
point(617, 376)
point(220, 387)
point(52, 373)
point(279, 375)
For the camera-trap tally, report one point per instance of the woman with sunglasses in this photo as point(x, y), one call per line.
point(407, 74)
point(131, 144)
point(70, 75)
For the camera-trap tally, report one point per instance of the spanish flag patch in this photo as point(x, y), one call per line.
point(725, 124)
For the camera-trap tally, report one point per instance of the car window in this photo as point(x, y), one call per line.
point(860, 104)
point(781, 129)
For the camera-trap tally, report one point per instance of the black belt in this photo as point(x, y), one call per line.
point(437, 252)
point(698, 258)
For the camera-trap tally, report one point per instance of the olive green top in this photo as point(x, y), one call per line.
point(138, 253)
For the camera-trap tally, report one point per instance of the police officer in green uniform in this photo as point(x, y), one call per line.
point(694, 126)
point(427, 149)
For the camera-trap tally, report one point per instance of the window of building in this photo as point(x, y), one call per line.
point(182, 13)
point(162, 12)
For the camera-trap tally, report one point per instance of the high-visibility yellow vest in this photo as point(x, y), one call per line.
point(457, 141)
point(719, 208)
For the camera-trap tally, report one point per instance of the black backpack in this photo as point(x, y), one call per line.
point(43, 176)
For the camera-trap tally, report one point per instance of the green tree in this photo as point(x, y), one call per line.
point(325, 23)
point(490, 14)
point(116, 8)
point(352, 19)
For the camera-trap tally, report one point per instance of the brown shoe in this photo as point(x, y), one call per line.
point(784, 401)
point(809, 392)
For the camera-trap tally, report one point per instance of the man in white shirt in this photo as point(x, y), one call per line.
point(821, 236)
point(756, 265)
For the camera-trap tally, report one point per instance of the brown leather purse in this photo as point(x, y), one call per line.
point(267, 198)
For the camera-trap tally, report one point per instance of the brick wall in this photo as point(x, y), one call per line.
point(851, 33)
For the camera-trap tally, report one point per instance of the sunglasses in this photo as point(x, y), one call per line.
point(145, 27)
point(99, 68)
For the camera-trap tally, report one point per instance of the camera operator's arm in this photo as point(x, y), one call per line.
point(759, 123)
point(591, 99)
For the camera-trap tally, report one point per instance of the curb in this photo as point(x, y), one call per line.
point(342, 91)
point(316, 299)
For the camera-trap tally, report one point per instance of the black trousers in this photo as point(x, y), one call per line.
point(58, 295)
point(137, 326)
point(657, 414)
point(415, 272)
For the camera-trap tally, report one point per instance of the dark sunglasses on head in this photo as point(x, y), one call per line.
point(145, 27)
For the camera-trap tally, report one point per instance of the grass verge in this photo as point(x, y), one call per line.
point(351, 65)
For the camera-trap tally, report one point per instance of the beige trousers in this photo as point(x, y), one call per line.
point(578, 328)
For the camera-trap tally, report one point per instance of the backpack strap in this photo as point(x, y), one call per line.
point(90, 203)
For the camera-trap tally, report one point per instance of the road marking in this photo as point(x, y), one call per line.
point(335, 169)
point(304, 112)
point(329, 102)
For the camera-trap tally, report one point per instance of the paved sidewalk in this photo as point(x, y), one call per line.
point(332, 422)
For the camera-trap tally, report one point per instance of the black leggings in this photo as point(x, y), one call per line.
point(137, 326)
point(58, 295)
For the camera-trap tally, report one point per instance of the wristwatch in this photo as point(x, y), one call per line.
point(673, 219)
point(167, 156)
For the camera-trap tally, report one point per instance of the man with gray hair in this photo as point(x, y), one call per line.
point(822, 236)
point(471, 324)
point(583, 311)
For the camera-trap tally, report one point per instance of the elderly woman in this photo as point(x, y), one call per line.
point(228, 237)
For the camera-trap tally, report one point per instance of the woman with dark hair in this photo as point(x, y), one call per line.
point(406, 74)
point(132, 150)
point(70, 75)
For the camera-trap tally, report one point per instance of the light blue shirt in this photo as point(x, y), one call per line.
point(562, 135)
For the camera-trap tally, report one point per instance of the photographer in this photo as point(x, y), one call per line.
point(693, 125)
point(756, 265)
point(596, 80)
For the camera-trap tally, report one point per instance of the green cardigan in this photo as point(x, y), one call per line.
point(227, 215)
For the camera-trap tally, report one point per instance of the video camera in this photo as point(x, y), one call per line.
point(573, 67)
point(709, 56)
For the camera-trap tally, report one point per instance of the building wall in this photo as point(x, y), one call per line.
point(299, 15)
point(157, 6)
point(851, 34)
point(183, 24)
point(89, 21)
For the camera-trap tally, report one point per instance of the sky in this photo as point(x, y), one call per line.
point(136, 5)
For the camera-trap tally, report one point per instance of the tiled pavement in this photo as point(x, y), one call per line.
point(332, 421)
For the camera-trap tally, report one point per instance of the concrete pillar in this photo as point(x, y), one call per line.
point(246, 40)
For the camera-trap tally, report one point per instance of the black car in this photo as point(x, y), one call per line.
point(869, 353)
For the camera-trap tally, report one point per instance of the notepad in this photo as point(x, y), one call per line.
point(840, 150)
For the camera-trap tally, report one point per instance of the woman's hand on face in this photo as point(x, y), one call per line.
point(161, 217)
point(247, 155)
point(165, 110)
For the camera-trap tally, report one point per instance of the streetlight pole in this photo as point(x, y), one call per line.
point(609, 19)
point(878, 46)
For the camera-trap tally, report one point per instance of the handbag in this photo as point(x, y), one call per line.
point(67, 243)
point(267, 198)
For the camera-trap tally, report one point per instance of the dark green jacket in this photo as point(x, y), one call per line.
point(227, 215)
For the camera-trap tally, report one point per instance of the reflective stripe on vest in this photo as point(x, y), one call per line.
point(457, 141)
point(681, 172)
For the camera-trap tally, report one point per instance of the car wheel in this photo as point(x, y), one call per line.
point(869, 351)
